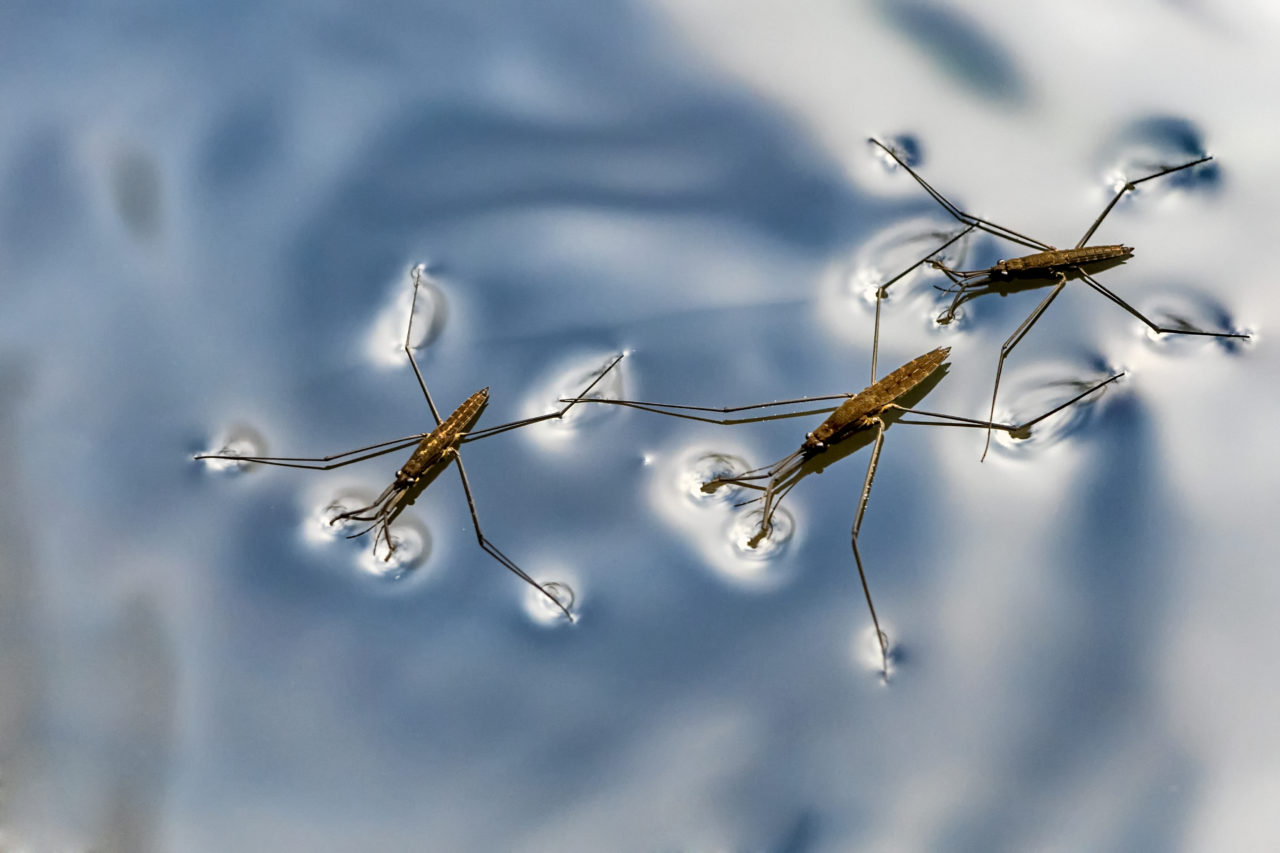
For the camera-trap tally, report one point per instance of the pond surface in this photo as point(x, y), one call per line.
point(210, 219)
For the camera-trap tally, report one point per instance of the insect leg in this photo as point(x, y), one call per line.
point(960, 215)
point(408, 350)
point(682, 411)
point(779, 475)
point(961, 290)
point(560, 413)
point(857, 527)
point(1129, 187)
point(1110, 294)
point(319, 462)
point(492, 550)
point(1012, 341)
point(927, 258)
point(959, 421)
point(875, 337)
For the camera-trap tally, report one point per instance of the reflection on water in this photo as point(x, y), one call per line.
point(211, 254)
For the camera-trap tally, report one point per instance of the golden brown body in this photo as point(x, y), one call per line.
point(860, 410)
point(1050, 261)
point(432, 450)
point(1056, 259)
point(435, 449)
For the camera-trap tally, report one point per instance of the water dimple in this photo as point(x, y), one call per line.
point(694, 481)
point(385, 343)
point(752, 541)
point(1035, 393)
point(411, 545)
point(893, 265)
point(897, 255)
point(904, 145)
point(410, 539)
point(545, 612)
point(324, 524)
point(867, 654)
point(1193, 311)
point(567, 383)
point(1146, 146)
point(236, 441)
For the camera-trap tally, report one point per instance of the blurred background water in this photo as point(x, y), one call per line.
point(209, 217)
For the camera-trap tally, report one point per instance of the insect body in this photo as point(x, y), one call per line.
point(435, 449)
point(431, 452)
point(1043, 263)
point(1051, 265)
point(862, 410)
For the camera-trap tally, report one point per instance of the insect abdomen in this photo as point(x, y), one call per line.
point(432, 448)
point(902, 380)
point(871, 400)
point(1041, 261)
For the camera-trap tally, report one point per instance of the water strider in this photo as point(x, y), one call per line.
point(1046, 266)
point(857, 416)
point(432, 452)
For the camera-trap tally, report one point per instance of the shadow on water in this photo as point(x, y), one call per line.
point(1157, 141)
point(22, 759)
point(1095, 708)
point(118, 696)
point(961, 51)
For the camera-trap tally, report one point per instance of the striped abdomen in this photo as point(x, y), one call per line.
point(856, 412)
point(432, 449)
point(1051, 260)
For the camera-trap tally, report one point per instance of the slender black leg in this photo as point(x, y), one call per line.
point(857, 557)
point(1012, 341)
point(1110, 294)
point(408, 350)
point(682, 410)
point(559, 413)
point(960, 215)
point(319, 462)
point(875, 336)
point(1013, 429)
point(927, 258)
point(1128, 187)
point(492, 550)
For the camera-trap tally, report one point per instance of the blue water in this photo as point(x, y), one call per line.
point(209, 219)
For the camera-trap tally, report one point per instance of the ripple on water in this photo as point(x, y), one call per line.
point(1186, 309)
point(412, 546)
point(716, 526)
point(1149, 144)
point(542, 611)
point(570, 380)
point(906, 145)
point(1034, 390)
point(384, 345)
point(708, 467)
point(865, 650)
point(898, 249)
point(758, 545)
point(846, 292)
point(238, 440)
point(410, 536)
